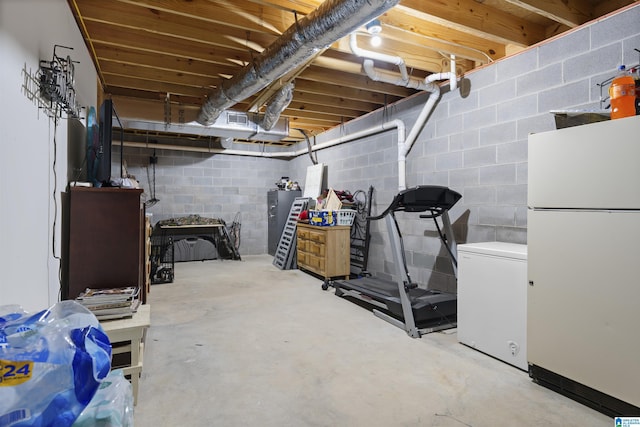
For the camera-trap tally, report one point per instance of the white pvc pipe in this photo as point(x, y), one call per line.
point(404, 143)
point(397, 124)
point(392, 124)
point(379, 76)
point(206, 149)
point(395, 60)
point(453, 82)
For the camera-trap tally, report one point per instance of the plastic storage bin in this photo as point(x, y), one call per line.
point(346, 216)
point(322, 218)
point(331, 218)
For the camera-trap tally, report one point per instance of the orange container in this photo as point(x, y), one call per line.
point(623, 95)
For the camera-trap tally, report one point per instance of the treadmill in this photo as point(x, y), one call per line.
point(418, 311)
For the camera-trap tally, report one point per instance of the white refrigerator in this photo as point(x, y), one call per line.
point(583, 299)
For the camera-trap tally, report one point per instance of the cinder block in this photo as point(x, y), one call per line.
point(480, 156)
point(571, 44)
point(511, 235)
point(433, 146)
point(482, 77)
point(565, 96)
point(497, 134)
point(512, 194)
point(614, 28)
point(449, 125)
point(496, 93)
point(463, 177)
point(485, 195)
point(435, 178)
point(514, 109)
point(521, 216)
point(202, 181)
point(497, 215)
point(593, 62)
point(629, 54)
point(512, 152)
point(541, 122)
point(448, 161)
point(480, 118)
point(480, 233)
point(458, 104)
point(498, 174)
point(537, 80)
point(517, 65)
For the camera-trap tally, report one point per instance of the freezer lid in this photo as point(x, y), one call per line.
point(498, 249)
point(593, 166)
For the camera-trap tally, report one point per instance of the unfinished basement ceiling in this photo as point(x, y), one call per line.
point(160, 59)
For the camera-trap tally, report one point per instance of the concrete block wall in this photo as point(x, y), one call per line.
point(215, 186)
point(475, 142)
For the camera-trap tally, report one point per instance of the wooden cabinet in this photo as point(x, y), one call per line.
point(324, 250)
point(103, 240)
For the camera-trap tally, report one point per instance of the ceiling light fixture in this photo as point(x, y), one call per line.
point(374, 29)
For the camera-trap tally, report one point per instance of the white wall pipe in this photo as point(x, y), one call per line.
point(405, 143)
point(392, 124)
point(396, 123)
point(379, 76)
point(206, 149)
point(391, 59)
point(434, 95)
point(453, 82)
point(406, 81)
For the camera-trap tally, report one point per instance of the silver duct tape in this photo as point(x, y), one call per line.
point(331, 21)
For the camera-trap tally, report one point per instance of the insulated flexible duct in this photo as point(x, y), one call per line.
point(276, 106)
point(331, 21)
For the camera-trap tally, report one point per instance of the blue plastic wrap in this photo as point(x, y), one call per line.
point(112, 405)
point(51, 364)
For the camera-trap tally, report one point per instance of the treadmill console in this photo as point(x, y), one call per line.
point(433, 198)
point(423, 198)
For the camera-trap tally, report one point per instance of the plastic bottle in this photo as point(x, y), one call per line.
point(623, 95)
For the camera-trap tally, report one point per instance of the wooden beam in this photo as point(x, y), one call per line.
point(567, 12)
point(474, 18)
point(334, 101)
point(149, 22)
point(445, 38)
point(242, 15)
point(344, 92)
point(148, 73)
point(354, 81)
point(163, 62)
point(324, 109)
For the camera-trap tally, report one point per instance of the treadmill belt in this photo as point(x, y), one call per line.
point(426, 305)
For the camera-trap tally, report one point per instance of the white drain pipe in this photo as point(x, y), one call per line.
point(404, 142)
point(392, 124)
point(427, 85)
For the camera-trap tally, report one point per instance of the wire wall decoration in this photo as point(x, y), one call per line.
point(57, 80)
point(52, 86)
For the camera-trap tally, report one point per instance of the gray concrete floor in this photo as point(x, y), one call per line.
point(242, 343)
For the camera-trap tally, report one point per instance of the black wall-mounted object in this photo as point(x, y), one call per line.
point(103, 172)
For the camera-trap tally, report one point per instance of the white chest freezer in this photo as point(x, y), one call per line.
point(492, 300)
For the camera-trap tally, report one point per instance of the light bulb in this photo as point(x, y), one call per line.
point(376, 41)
